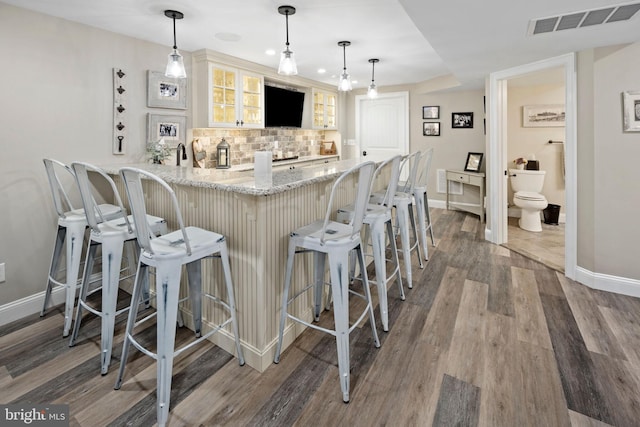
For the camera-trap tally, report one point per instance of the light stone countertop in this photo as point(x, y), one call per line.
point(242, 181)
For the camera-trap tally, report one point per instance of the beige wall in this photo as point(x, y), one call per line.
point(616, 175)
point(57, 101)
point(532, 142)
point(453, 145)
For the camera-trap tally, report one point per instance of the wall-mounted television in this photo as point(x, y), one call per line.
point(282, 107)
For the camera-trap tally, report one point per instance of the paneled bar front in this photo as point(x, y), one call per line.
point(256, 216)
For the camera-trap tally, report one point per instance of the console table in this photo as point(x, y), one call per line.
point(468, 178)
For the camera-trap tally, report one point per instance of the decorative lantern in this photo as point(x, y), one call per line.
point(222, 155)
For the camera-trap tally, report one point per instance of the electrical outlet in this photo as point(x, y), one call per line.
point(2, 278)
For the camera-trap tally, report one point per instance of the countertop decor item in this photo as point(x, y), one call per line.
point(222, 155)
point(159, 151)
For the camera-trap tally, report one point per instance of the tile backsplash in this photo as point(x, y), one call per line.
point(244, 142)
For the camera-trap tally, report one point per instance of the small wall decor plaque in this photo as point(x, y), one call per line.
point(166, 92)
point(551, 115)
point(461, 120)
point(631, 105)
point(431, 128)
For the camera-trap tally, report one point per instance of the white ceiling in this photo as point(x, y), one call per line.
point(415, 40)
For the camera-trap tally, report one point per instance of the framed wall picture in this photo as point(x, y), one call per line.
point(551, 115)
point(431, 112)
point(431, 129)
point(461, 120)
point(172, 128)
point(166, 92)
point(474, 161)
point(631, 105)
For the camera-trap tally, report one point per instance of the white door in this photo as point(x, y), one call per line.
point(382, 125)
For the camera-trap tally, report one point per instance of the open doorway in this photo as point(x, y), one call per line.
point(498, 155)
point(535, 144)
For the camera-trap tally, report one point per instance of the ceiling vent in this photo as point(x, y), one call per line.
point(585, 18)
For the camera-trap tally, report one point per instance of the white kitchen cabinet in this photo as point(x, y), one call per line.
point(235, 98)
point(324, 109)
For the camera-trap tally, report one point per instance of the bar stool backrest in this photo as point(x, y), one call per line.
point(391, 165)
point(424, 168)
point(411, 164)
point(81, 170)
point(365, 175)
point(132, 178)
point(61, 201)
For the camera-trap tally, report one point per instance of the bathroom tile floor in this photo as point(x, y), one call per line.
point(546, 247)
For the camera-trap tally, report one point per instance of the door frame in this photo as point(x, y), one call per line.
point(497, 176)
point(404, 145)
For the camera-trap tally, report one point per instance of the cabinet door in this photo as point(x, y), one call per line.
point(251, 103)
point(223, 94)
point(236, 98)
point(324, 110)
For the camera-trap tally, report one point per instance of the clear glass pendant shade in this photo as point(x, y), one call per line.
point(175, 65)
point(288, 65)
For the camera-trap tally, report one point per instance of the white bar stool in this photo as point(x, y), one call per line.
point(378, 218)
point(72, 223)
point(422, 201)
point(335, 240)
point(111, 237)
point(167, 254)
point(405, 220)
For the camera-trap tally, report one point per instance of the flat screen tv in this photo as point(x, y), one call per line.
point(282, 107)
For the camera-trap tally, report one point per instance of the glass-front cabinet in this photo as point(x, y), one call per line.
point(235, 98)
point(324, 109)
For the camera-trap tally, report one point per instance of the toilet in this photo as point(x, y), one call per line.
point(527, 185)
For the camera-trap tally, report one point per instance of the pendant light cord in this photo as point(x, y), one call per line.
point(344, 56)
point(286, 17)
point(175, 45)
point(373, 71)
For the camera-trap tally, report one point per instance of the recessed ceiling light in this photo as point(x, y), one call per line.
point(228, 37)
point(321, 71)
point(355, 82)
point(270, 52)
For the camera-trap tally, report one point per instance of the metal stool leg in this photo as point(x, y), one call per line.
point(340, 286)
point(194, 276)
point(378, 240)
point(75, 239)
point(84, 290)
point(285, 298)
point(54, 268)
point(167, 288)
point(396, 259)
point(111, 262)
point(224, 256)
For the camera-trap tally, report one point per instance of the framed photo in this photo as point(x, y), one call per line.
point(551, 115)
point(474, 161)
point(166, 92)
point(172, 128)
point(631, 105)
point(431, 128)
point(461, 120)
point(431, 112)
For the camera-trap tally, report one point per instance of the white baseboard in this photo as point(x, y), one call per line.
point(606, 282)
point(16, 310)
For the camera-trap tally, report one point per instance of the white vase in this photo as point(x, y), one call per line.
point(520, 166)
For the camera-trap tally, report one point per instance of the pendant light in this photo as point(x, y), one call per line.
point(372, 92)
point(175, 63)
point(288, 65)
point(345, 80)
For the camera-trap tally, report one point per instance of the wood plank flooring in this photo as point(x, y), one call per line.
point(486, 337)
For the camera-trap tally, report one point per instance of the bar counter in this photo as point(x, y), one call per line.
point(256, 216)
